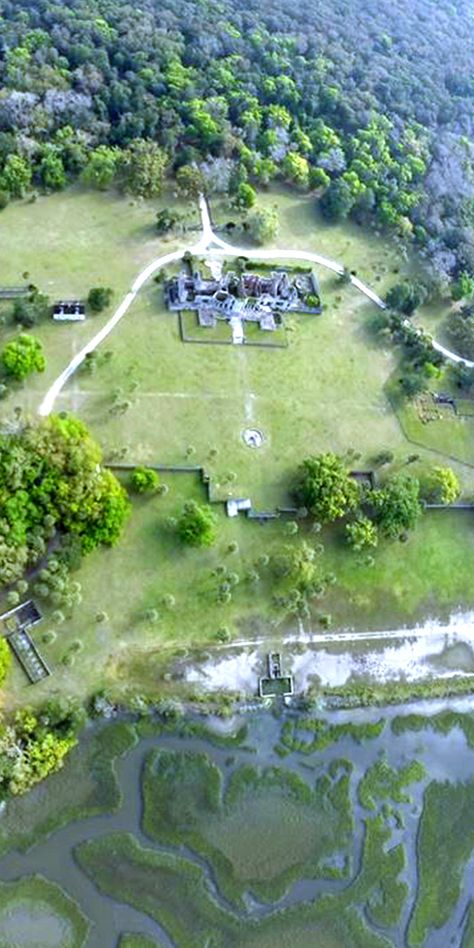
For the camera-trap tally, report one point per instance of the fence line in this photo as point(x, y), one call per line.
point(420, 444)
point(205, 479)
point(251, 514)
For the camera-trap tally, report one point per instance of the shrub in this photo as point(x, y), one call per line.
point(48, 637)
point(196, 525)
point(223, 634)
point(99, 298)
point(144, 480)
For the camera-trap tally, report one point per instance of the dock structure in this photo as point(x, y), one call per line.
point(275, 684)
point(27, 654)
point(13, 292)
point(14, 626)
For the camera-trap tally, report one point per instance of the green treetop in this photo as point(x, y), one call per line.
point(99, 298)
point(143, 167)
point(397, 505)
point(405, 297)
point(263, 225)
point(441, 486)
point(361, 533)
point(22, 356)
point(144, 480)
point(326, 488)
point(197, 525)
point(101, 167)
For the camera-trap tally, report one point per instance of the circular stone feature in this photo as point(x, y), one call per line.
point(253, 438)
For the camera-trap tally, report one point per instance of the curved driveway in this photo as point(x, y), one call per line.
point(208, 242)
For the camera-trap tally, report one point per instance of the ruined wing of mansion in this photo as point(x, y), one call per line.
point(246, 297)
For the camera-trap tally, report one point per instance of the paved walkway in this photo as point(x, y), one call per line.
point(213, 245)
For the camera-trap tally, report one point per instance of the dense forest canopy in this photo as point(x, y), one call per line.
point(370, 104)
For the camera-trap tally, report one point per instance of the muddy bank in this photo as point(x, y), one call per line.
point(430, 651)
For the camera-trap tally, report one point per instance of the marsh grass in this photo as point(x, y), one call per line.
point(266, 830)
point(383, 783)
point(445, 843)
point(293, 734)
point(86, 786)
point(34, 908)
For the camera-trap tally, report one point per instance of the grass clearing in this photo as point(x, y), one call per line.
point(191, 403)
point(69, 242)
point(35, 912)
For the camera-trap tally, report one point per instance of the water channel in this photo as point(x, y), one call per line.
point(445, 757)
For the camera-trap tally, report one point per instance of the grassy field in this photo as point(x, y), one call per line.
point(129, 653)
point(34, 912)
point(69, 242)
point(190, 404)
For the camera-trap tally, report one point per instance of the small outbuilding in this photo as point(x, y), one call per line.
point(69, 311)
point(234, 507)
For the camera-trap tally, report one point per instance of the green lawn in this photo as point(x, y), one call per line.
point(67, 243)
point(190, 404)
